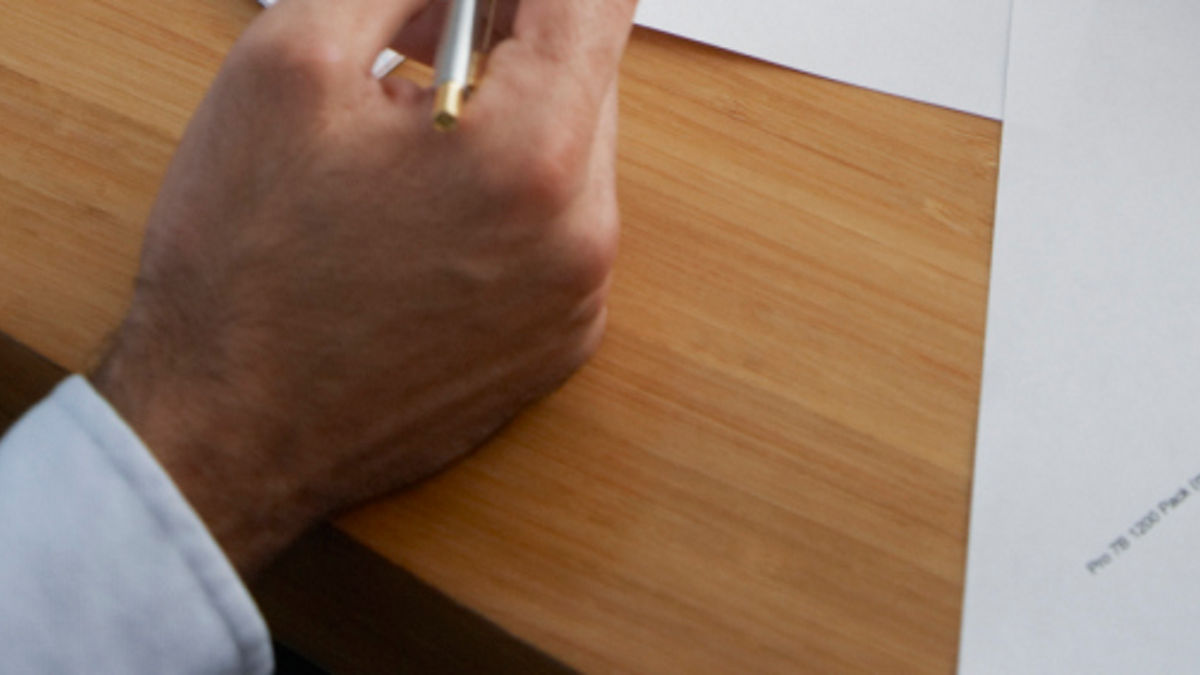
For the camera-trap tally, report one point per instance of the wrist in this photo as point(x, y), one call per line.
point(206, 435)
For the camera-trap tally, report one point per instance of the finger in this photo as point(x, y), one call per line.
point(362, 27)
point(602, 170)
point(604, 147)
point(581, 39)
point(419, 38)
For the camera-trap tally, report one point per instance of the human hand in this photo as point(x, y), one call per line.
point(334, 299)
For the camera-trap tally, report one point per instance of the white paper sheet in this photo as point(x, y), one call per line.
point(1085, 532)
point(948, 52)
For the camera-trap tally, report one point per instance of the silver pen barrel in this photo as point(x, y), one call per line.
point(452, 72)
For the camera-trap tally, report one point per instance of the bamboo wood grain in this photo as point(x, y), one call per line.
point(767, 466)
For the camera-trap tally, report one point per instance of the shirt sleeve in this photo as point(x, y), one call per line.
point(104, 566)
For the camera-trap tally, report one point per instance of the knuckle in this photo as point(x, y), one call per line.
point(596, 255)
point(582, 267)
point(287, 60)
point(546, 173)
point(547, 181)
point(296, 63)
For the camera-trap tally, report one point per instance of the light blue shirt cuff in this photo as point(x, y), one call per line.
point(104, 566)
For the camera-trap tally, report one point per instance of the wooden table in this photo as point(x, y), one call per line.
point(767, 466)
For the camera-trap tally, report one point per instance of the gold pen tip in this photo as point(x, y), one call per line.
point(444, 121)
point(447, 107)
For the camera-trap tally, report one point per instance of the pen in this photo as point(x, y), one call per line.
point(452, 72)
